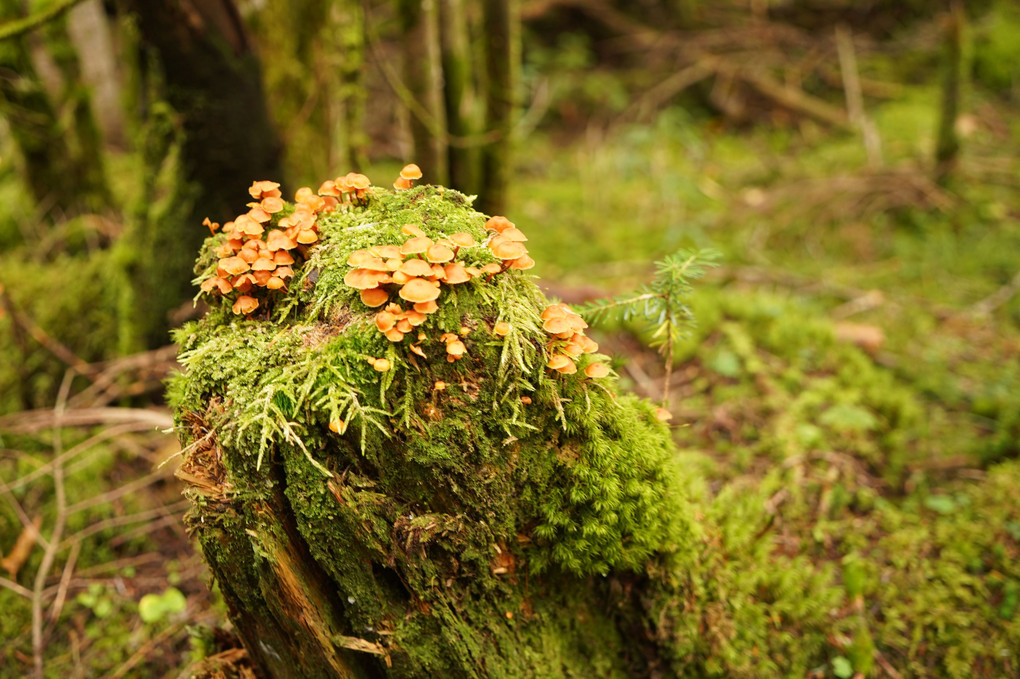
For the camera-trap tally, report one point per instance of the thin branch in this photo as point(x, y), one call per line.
point(15, 587)
point(58, 529)
point(18, 27)
point(55, 347)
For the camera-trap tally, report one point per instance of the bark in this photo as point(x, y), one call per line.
point(423, 79)
point(502, 31)
point(348, 21)
point(211, 79)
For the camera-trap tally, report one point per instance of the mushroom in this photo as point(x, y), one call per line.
point(394, 335)
point(337, 426)
point(456, 349)
point(381, 364)
point(426, 307)
point(501, 328)
point(362, 279)
point(263, 264)
point(401, 184)
point(245, 305)
point(412, 230)
point(596, 370)
point(234, 265)
point(462, 239)
point(258, 214)
point(307, 236)
point(278, 240)
point(509, 250)
point(418, 350)
point(328, 188)
point(524, 262)
point(261, 189)
point(410, 172)
point(498, 224)
point(418, 290)
point(272, 204)
point(211, 224)
point(456, 273)
point(439, 253)
point(385, 320)
point(364, 259)
point(559, 362)
point(283, 257)
point(217, 283)
point(275, 283)
point(374, 297)
point(302, 193)
point(386, 252)
point(663, 415)
point(416, 267)
point(416, 245)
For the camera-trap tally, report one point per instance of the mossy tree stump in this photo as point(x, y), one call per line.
point(486, 516)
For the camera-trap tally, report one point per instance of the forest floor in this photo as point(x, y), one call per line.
point(857, 353)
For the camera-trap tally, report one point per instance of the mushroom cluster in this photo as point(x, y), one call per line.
point(408, 174)
point(507, 244)
point(415, 270)
point(567, 341)
point(261, 243)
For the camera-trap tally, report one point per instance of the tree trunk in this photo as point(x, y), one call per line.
point(211, 79)
point(463, 151)
point(423, 79)
point(348, 20)
point(947, 149)
point(502, 30)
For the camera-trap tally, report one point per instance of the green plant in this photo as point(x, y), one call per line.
point(661, 303)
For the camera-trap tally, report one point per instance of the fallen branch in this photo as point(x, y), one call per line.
point(32, 421)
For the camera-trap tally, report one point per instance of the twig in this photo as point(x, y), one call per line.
point(57, 607)
point(56, 348)
point(17, 27)
point(15, 587)
point(144, 649)
point(120, 491)
point(58, 529)
point(116, 521)
point(31, 421)
point(997, 298)
point(854, 98)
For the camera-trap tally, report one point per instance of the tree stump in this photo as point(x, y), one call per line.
point(432, 500)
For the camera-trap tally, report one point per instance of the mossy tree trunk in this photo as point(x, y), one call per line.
point(211, 79)
point(947, 147)
point(501, 26)
point(460, 96)
point(423, 79)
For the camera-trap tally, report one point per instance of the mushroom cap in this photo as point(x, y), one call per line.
point(394, 335)
point(358, 181)
point(523, 263)
point(243, 282)
point(384, 320)
point(416, 267)
point(555, 326)
point(419, 290)
point(374, 297)
point(245, 305)
point(514, 234)
point(362, 279)
point(364, 259)
point(509, 250)
point(234, 265)
point(248, 226)
point(272, 204)
point(401, 184)
point(439, 253)
point(456, 273)
point(258, 189)
point(381, 364)
point(315, 203)
point(663, 415)
point(597, 370)
point(456, 348)
point(447, 337)
point(558, 361)
point(404, 326)
point(216, 283)
point(258, 214)
point(262, 276)
point(283, 257)
point(502, 329)
point(302, 193)
point(418, 350)
point(462, 239)
point(439, 385)
point(385, 251)
point(278, 240)
point(284, 271)
point(225, 250)
point(337, 426)
point(416, 245)
point(498, 223)
point(426, 307)
point(569, 369)
point(328, 188)
point(307, 236)
point(492, 267)
point(410, 171)
point(411, 230)
point(414, 317)
point(275, 283)
point(263, 263)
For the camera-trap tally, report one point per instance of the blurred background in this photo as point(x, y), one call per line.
point(856, 163)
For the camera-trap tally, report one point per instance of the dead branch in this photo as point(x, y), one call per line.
point(33, 421)
point(23, 322)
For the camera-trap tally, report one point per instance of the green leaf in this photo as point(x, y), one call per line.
point(849, 417)
point(842, 668)
point(155, 607)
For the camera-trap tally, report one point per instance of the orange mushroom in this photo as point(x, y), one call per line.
point(401, 184)
point(456, 273)
point(374, 297)
point(275, 283)
point(362, 279)
point(559, 362)
point(416, 267)
point(462, 239)
point(426, 307)
point(523, 263)
point(245, 305)
point(272, 204)
point(416, 245)
point(418, 290)
point(508, 250)
point(502, 329)
point(596, 370)
point(410, 172)
point(498, 224)
point(381, 364)
point(234, 265)
point(439, 253)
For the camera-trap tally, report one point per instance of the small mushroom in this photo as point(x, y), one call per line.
point(426, 307)
point(412, 230)
point(439, 254)
point(263, 264)
point(385, 320)
point(272, 204)
point(418, 290)
point(337, 426)
point(502, 329)
point(559, 362)
point(523, 263)
point(362, 279)
point(663, 415)
point(498, 224)
point(381, 364)
point(416, 245)
point(456, 273)
point(374, 297)
point(416, 268)
point(509, 250)
point(234, 265)
point(283, 258)
point(275, 283)
point(410, 172)
point(462, 239)
point(401, 184)
point(278, 241)
point(245, 305)
point(596, 370)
